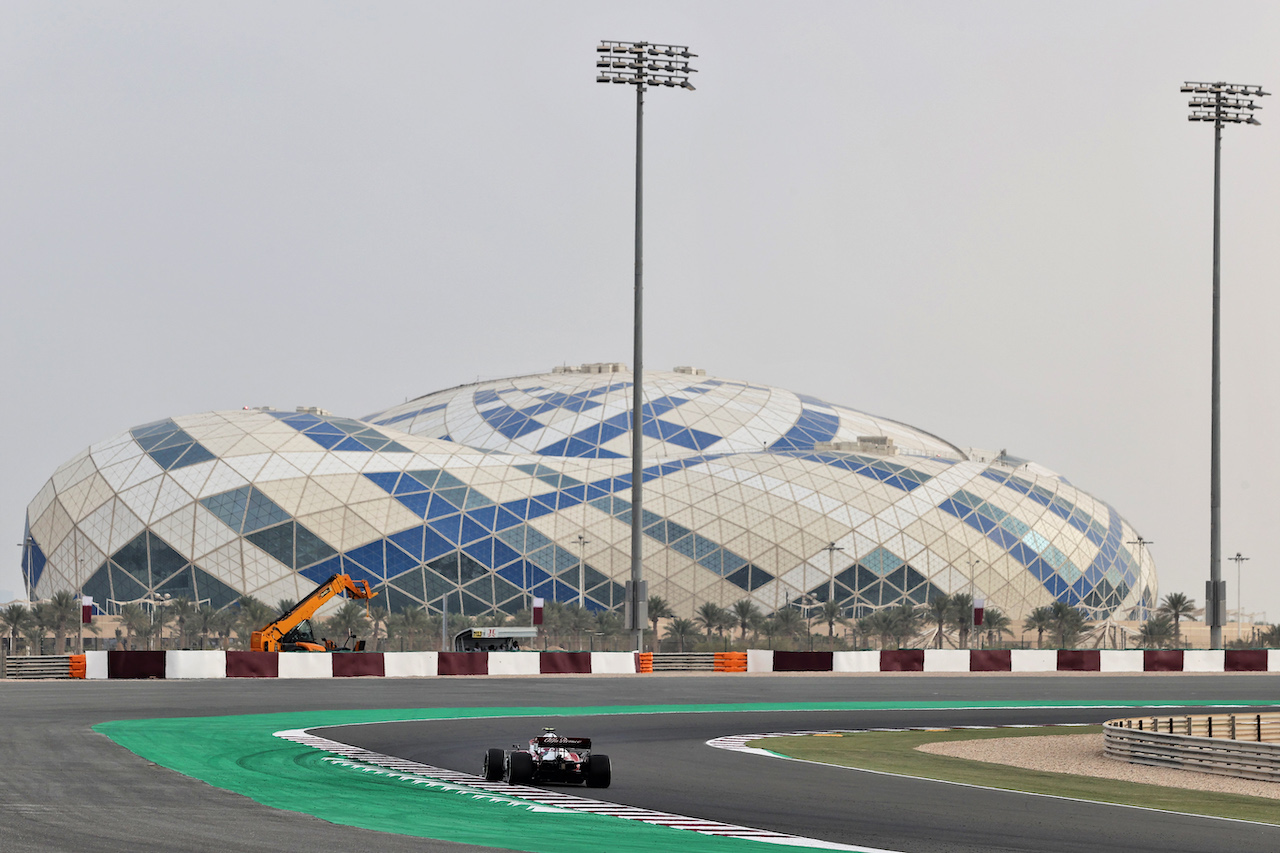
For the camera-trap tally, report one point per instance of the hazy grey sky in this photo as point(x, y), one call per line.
point(988, 220)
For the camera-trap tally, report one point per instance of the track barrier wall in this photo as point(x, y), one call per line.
point(234, 664)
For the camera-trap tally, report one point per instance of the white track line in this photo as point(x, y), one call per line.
point(552, 801)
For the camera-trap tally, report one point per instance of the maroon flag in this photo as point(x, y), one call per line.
point(86, 609)
point(979, 605)
point(537, 611)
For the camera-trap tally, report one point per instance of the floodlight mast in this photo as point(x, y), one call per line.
point(1220, 103)
point(638, 63)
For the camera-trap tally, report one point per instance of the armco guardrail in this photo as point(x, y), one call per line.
point(45, 666)
point(1242, 745)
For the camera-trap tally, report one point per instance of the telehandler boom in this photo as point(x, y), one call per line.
point(293, 632)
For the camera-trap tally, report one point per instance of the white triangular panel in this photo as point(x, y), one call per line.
point(41, 502)
point(97, 526)
point(177, 529)
point(169, 498)
point(145, 470)
point(52, 527)
point(192, 477)
point(72, 497)
point(210, 533)
point(278, 468)
point(125, 525)
point(223, 478)
point(225, 565)
point(73, 471)
point(141, 499)
point(248, 466)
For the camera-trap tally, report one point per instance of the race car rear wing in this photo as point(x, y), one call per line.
point(558, 742)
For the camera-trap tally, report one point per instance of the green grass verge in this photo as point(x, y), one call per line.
point(895, 752)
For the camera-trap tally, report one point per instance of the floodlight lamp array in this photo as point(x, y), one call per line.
point(1225, 103)
point(640, 63)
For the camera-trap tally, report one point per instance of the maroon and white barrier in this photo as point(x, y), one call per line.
point(226, 664)
point(1018, 660)
point(229, 664)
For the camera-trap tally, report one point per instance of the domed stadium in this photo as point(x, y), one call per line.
point(480, 497)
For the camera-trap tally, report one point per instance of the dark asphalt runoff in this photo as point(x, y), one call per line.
point(67, 788)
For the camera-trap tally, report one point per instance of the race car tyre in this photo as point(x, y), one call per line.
point(520, 768)
point(599, 771)
point(493, 761)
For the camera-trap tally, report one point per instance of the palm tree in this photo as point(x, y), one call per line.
point(348, 621)
point(680, 630)
point(962, 616)
point(64, 613)
point(378, 614)
point(38, 627)
point(789, 622)
point(413, 622)
point(253, 616)
point(710, 616)
point(1176, 605)
point(658, 609)
point(1039, 620)
point(203, 621)
point(223, 623)
point(832, 613)
point(1157, 631)
point(182, 609)
point(608, 624)
point(939, 614)
point(580, 619)
point(14, 619)
point(995, 625)
point(879, 624)
point(1069, 623)
point(285, 605)
point(904, 623)
point(1270, 638)
point(134, 620)
point(745, 614)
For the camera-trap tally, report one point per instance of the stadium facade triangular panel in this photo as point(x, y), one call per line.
point(481, 492)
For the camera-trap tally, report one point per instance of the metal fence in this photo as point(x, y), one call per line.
point(1242, 745)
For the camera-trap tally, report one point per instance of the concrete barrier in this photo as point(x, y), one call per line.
point(946, 660)
point(410, 664)
point(190, 664)
point(95, 664)
point(1162, 660)
point(855, 662)
point(1203, 660)
point(1245, 660)
point(253, 664)
point(305, 665)
point(614, 663)
point(353, 664)
point(1118, 660)
point(514, 663)
point(463, 663)
point(990, 660)
point(195, 664)
point(1035, 660)
point(556, 663)
point(135, 664)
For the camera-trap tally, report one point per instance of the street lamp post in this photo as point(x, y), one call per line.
point(1220, 103)
point(640, 64)
point(831, 569)
point(583, 542)
point(1238, 559)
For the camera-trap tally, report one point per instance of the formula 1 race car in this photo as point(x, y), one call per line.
point(550, 759)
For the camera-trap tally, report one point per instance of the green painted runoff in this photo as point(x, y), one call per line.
point(242, 755)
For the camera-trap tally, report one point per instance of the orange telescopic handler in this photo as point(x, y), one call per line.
point(293, 631)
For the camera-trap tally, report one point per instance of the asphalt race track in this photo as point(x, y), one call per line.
point(68, 788)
